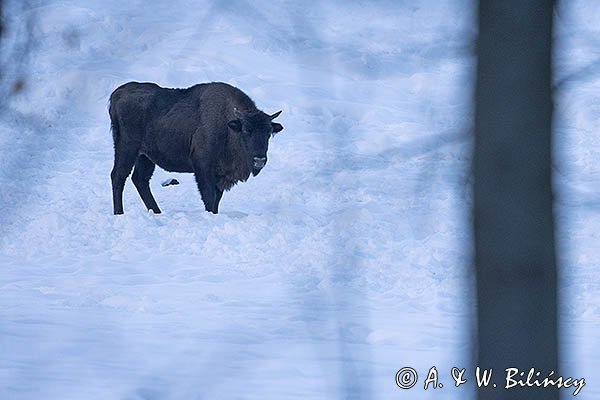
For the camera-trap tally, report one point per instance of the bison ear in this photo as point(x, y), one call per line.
point(235, 125)
point(275, 115)
point(276, 127)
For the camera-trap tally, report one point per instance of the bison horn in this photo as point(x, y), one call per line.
point(238, 114)
point(275, 115)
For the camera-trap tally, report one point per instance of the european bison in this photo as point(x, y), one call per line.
point(212, 129)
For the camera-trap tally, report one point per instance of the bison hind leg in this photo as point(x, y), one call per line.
point(144, 168)
point(124, 160)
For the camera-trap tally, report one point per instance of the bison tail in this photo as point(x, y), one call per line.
point(114, 122)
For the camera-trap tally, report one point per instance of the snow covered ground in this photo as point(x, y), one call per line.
point(577, 181)
point(345, 260)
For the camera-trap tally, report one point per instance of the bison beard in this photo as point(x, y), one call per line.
point(213, 130)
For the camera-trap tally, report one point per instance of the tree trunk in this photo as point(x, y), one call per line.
point(513, 216)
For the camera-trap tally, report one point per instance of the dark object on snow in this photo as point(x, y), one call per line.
point(212, 129)
point(170, 182)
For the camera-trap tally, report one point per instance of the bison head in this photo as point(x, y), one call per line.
point(255, 128)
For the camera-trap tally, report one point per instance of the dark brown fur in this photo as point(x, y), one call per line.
point(213, 130)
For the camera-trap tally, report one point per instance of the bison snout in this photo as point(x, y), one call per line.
point(260, 162)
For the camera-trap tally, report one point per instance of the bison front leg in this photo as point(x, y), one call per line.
point(219, 194)
point(207, 187)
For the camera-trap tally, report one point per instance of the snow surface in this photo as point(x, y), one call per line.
point(347, 259)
